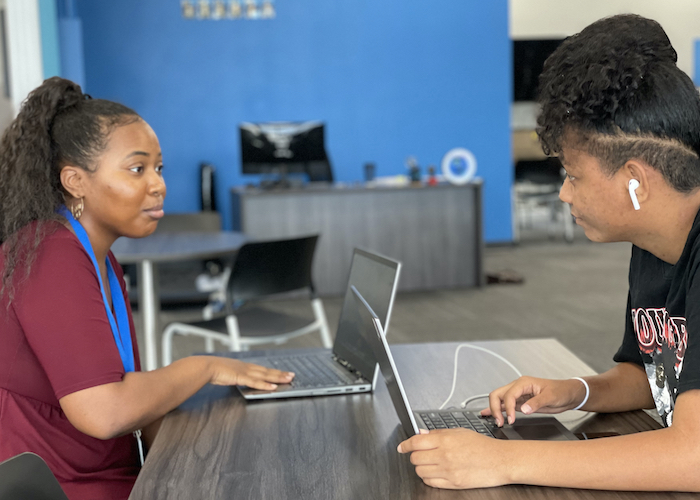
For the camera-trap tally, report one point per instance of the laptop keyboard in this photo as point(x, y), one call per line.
point(455, 419)
point(310, 371)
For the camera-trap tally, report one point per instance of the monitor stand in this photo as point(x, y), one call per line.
point(270, 184)
point(281, 181)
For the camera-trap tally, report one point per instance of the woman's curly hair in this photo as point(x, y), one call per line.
point(57, 125)
point(614, 91)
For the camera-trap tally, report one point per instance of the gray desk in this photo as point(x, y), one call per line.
point(167, 247)
point(216, 446)
point(435, 232)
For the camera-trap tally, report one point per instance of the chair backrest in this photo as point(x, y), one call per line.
point(270, 267)
point(200, 222)
point(27, 476)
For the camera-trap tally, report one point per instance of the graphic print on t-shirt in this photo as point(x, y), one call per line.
point(662, 342)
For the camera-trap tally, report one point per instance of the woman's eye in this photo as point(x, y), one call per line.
point(159, 169)
point(571, 177)
point(137, 169)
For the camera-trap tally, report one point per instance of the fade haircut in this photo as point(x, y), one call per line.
point(614, 91)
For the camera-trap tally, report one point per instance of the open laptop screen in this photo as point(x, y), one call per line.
point(375, 278)
point(538, 428)
point(374, 335)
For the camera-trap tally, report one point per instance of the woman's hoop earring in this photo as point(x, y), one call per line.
point(77, 210)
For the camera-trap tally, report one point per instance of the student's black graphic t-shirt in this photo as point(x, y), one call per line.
point(662, 333)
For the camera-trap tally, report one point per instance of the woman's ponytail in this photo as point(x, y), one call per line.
point(57, 125)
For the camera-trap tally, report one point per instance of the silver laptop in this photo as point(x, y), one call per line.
point(538, 428)
point(350, 367)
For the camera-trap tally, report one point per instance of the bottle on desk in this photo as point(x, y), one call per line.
point(432, 179)
point(413, 170)
point(370, 170)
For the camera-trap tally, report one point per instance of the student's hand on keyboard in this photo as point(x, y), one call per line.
point(534, 395)
point(226, 371)
point(457, 459)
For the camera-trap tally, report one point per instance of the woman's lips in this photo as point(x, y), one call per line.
point(155, 212)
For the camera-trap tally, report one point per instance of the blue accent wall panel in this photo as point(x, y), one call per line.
point(50, 46)
point(390, 79)
point(72, 62)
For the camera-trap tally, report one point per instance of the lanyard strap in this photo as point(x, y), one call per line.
point(120, 328)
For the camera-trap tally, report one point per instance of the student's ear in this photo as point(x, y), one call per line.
point(72, 180)
point(637, 170)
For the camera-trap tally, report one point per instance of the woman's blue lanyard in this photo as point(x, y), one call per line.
point(120, 328)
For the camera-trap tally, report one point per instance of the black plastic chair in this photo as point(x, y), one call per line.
point(27, 476)
point(261, 269)
point(182, 281)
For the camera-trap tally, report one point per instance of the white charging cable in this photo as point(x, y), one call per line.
point(464, 403)
point(454, 375)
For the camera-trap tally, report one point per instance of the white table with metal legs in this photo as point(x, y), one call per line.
point(167, 247)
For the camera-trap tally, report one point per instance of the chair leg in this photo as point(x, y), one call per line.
point(209, 345)
point(233, 332)
point(320, 315)
point(515, 221)
point(167, 344)
point(208, 312)
point(568, 223)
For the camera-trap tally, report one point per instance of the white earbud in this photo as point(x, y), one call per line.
point(634, 184)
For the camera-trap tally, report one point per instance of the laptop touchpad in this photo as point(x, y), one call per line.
point(538, 432)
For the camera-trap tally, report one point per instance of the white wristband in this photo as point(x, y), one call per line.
point(588, 393)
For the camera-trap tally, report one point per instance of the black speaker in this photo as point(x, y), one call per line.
point(207, 184)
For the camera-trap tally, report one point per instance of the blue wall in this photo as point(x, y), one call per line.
point(390, 78)
point(50, 46)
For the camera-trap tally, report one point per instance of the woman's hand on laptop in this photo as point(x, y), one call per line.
point(534, 395)
point(458, 458)
point(226, 371)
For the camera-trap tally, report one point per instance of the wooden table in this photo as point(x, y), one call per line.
point(218, 446)
point(167, 247)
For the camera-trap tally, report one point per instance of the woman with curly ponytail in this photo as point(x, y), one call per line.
point(625, 122)
point(76, 174)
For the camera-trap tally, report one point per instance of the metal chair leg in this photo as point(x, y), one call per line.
point(320, 315)
point(167, 344)
point(568, 222)
point(233, 332)
point(209, 345)
point(515, 220)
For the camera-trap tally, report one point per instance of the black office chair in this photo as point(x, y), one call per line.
point(260, 270)
point(27, 477)
point(185, 281)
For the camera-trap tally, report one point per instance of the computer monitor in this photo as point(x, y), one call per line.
point(281, 148)
point(528, 59)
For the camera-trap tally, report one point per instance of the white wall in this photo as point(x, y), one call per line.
point(23, 49)
point(559, 18)
point(6, 108)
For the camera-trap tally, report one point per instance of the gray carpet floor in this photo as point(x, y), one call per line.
point(574, 292)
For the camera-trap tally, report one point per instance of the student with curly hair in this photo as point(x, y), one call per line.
point(625, 122)
point(76, 174)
